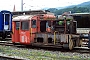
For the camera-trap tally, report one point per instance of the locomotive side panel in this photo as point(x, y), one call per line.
point(57, 40)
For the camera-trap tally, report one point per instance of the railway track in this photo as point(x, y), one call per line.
point(79, 50)
point(10, 58)
point(83, 49)
point(6, 43)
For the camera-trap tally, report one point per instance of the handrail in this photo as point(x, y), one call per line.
point(13, 28)
point(31, 31)
point(55, 37)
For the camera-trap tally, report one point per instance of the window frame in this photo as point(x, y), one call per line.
point(17, 28)
point(28, 25)
point(33, 25)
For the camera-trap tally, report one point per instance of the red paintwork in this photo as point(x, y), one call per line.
point(25, 37)
point(15, 35)
point(46, 16)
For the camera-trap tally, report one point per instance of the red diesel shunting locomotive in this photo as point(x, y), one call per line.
point(44, 30)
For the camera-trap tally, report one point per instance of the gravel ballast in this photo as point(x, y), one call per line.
point(33, 54)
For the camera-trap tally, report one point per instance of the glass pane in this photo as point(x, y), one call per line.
point(33, 23)
point(7, 17)
point(17, 25)
point(25, 25)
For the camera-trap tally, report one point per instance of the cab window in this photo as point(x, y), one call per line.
point(25, 25)
point(17, 25)
point(33, 23)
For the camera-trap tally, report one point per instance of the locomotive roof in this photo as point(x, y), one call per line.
point(23, 17)
point(31, 12)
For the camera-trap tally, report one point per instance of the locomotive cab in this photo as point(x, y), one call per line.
point(24, 29)
point(29, 27)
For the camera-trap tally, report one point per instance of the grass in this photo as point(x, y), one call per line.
point(37, 54)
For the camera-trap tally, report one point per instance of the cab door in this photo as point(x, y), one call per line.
point(25, 32)
point(33, 29)
point(15, 35)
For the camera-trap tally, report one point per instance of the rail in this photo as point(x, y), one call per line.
point(10, 58)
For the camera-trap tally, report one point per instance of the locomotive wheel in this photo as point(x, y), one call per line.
point(71, 44)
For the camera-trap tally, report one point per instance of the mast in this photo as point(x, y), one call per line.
point(21, 5)
point(14, 9)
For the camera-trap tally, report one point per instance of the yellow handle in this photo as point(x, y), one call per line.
point(13, 29)
point(31, 31)
point(55, 37)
